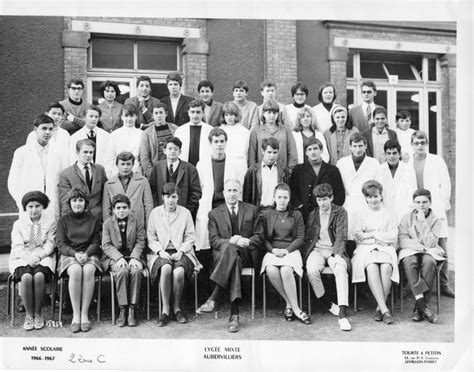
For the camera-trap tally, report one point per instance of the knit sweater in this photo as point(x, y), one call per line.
point(78, 233)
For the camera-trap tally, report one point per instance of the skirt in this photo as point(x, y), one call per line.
point(21, 270)
point(185, 262)
point(292, 259)
point(66, 261)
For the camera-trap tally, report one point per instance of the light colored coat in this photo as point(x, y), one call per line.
point(183, 133)
point(322, 117)
point(398, 191)
point(102, 142)
point(180, 231)
point(20, 253)
point(59, 140)
point(232, 170)
point(26, 174)
point(292, 114)
point(122, 139)
point(298, 136)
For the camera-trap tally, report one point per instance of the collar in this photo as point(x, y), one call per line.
point(364, 106)
point(325, 213)
point(129, 177)
point(266, 166)
point(209, 103)
point(236, 208)
point(175, 99)
point(41, 148)
point(74, 102)
point(375, 130)
point(298, 105)
point(81, 166)
point(176, 162)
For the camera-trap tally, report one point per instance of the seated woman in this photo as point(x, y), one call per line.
point(375, 233)
point(337, 136)
point(123, 241)
point(78, 241)
point(284, 236)
point(31, 259)
point(170, 235)
point(304, 130)
point(418, 236)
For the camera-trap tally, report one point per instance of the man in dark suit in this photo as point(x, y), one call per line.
point(378, 135)
point(176, 102)
point(235, 235)
point(213, 109)
point(174, 170)
point(144, 102)
point(85, 175)
point(307, 176)
point(362, 115)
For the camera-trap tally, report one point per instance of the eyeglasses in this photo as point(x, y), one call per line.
point(76, 88)
point(367, 92)
point(421, 143)
point(300, 94)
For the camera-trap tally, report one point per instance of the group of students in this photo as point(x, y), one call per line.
point(187, 186)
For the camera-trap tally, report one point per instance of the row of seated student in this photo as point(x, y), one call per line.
point(237, 232)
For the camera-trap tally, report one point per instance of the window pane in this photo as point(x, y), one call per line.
point(403, 70)
point(157, 55)
point(432, 122)
point(350, 65)
point(350, 97)
point(410, 101)
point(124, 92)
point(372, 70)
point(432, 69)
point(109, 53)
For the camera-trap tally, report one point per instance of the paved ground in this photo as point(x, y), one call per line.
point(274, 327)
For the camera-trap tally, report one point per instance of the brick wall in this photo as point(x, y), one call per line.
point(75, 66)
point(281, 66)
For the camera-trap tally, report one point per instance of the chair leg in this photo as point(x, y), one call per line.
point(264, 296)
point(99, 297)
point(12, 305)
point(53, 295)
point(253, 294)
point(148, 296)
point(438, 288)
point(159, 298)
point(301, 293)
point(195, 292)
point(61, 284)
point(355, 297)
point(112, 296)
point(400, 287)
point(309, 297)
point(392, 297)
point(8, 294)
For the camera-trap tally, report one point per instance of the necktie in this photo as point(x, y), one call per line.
point(368, 114)
point(234, 221)
point(88, 178)
point(171, 169)
point(92, 135)
point(35, 236)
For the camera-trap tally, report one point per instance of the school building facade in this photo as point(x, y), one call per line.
point(412, 63)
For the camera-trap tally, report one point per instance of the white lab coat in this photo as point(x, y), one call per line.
point(300, 146)
point(102, 143)
point(26, 174)
point(59, 140)
point(322, 117)
point(123, 139)
point(183, 133)
point(398, 191)
point(232, 170)
point(436, 179)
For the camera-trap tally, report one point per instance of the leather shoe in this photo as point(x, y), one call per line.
point(304, 318)
point(378, 317)
point(180, 317)
point(86, 327)
point(234, 325)
point(163, 320)
point(132, 320)
point(387, 317)
point(208, 307)
point(447, 291)
point(75, 327)
point(429, 315)
point(289, 314)
point(122, 318)
point(417, 315)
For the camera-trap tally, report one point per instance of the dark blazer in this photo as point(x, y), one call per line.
point(358, 118)
point(72, 177)
point(187, 181)
point(270, 216)
point(215, 114)
point(392, 136)
point(337, 229)
point(252, 191)
point(147, 116)
point(181, 116)
point(220, 229)
point(303, 180)
point(112, 240)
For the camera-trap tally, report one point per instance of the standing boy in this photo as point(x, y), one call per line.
point(75, 106)
point(176, 102)
point(362, 115)
point(213, 109)
point(378, 135)
point(143, 102)
point(248, 109)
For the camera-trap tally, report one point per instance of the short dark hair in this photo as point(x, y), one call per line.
point(75, 81)
point(109, 83)
point(197, 103)
point(422, 192)
point(175, 77)
point(129, 109)
point(143, 78)
point(369, 186)
point(125, 156)
point(419, 134)
point(159, 105)
point(324, 86)
point(313, 141)
point(83, 142)
point(241, 84)
point(271, 105)
point(216, 132)
point(120, 198)
point(175, 141)
point(299, 86)
point(77, 193)
point(404, 114)
point(43, 119)
point(380, 110)
point(55, 105)
point(322, 190)
point(207, 84)
point(370, 84)
point(392, 145)
point(357, 137)
point(169, 189)
point(267, 84)
point(35, 196)
point(272, 142)
point(94, 108)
